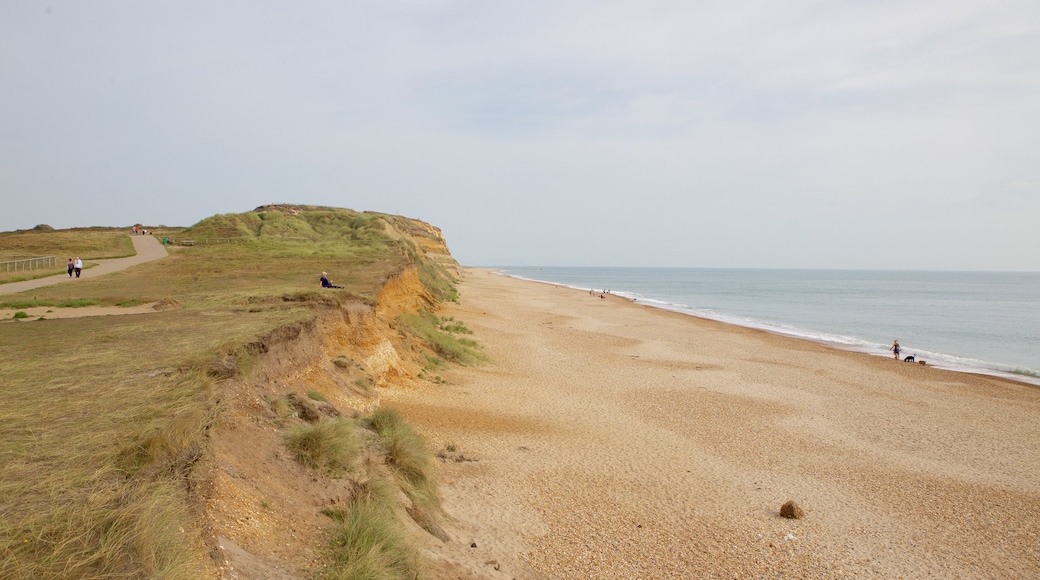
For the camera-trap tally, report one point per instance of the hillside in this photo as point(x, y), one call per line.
point(236, 430)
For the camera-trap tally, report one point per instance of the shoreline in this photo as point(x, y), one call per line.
point(763, 327)
point(610, 441)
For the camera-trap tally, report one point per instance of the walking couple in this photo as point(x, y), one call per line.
point(75, 266)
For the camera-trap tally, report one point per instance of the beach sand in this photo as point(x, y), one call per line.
point(611, 440)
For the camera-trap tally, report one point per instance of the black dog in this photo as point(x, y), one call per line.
point(909, 359)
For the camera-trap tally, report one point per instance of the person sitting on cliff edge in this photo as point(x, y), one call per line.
point(325, 281)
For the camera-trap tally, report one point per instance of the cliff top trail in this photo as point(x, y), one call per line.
point(148, 248)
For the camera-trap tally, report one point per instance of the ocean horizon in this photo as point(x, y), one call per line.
point(981, 322)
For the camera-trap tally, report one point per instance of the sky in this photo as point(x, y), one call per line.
point(866, 134)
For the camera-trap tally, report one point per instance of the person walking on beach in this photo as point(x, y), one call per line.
point(78, 265)
point(895, 349)
point(72, 266)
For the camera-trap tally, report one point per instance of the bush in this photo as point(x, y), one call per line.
point(20, 314)
point(329, 444)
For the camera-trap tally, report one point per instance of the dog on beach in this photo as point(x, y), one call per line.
point(909, 359)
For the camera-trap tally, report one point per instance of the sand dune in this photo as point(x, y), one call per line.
point(617, 441)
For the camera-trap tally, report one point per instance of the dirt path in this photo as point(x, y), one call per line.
point(148, 248)
point(617, 441)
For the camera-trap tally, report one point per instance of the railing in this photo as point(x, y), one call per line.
point(27, 264)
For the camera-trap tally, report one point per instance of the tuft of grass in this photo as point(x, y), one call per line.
point(317, 396)
point(407, 454)
point(366, 384)
point(368, 543)
point(280, 406)
point(332, 445)
point(342, 362)
point(20, 314)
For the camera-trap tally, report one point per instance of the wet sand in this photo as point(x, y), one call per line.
point(612, 440)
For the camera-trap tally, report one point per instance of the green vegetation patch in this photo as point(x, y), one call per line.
point(427, 326)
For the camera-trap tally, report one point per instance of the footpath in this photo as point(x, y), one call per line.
point(148, 248)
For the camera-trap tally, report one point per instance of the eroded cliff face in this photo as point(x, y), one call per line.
point(263, 509)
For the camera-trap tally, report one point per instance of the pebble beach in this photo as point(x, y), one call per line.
point(606, 439)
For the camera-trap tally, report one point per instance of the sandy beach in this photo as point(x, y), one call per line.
point(612, 440)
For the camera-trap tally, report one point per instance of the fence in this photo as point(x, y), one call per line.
point(27, 264)
point(207, 241)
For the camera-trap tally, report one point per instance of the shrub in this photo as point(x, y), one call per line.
point(20, 314)
point(329, 444)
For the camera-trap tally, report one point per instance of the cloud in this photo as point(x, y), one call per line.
point(574, 132)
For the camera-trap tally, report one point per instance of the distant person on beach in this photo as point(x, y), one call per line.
point(72, 267)
point(895, 349)
point(325, 281)
point(135, 230)
point(78, 265)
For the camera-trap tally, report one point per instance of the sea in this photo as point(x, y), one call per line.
point(980, 322)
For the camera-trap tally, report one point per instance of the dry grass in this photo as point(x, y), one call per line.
point(330, 445)
point(367, 543)
point(407, 454)
point(104, 418)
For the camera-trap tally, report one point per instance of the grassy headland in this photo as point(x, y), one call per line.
point(107, 420)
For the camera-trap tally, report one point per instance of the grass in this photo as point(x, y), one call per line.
point(367, 543)
point(407, 454)
point(317, 396)
point(330, 445)
point(97, 447)
point(427, 326)
point(104, 418)
point(70, 303)
point(20, 314)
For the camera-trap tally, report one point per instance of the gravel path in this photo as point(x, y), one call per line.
point(617, 441)
point(148, 248)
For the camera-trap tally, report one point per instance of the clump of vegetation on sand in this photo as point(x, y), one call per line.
point(330, 445)
point(438, 335)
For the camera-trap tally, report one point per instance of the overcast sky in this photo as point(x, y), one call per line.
point(818, 134)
